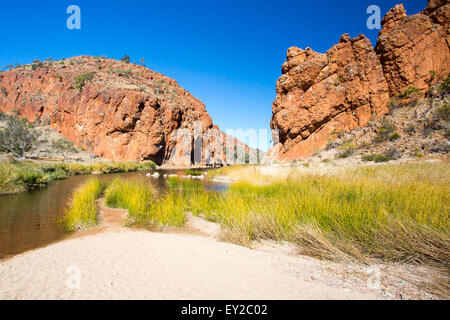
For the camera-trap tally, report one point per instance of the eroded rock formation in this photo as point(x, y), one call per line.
point(414, 50)
point(321, 94)
point(118, 110)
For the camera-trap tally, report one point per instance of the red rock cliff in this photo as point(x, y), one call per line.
point(323, 93)
point(320, 94)
point(414, 50)
point(122, 111)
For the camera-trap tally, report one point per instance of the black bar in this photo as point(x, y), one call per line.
point(235, 309)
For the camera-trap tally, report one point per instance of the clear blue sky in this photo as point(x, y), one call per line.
point(227, 53)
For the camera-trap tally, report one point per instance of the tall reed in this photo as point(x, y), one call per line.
point(83, 210)
point(388, 213)
point(145, 208)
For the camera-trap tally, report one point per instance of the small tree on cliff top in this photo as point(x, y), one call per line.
point(125, 59)
point(17, 137)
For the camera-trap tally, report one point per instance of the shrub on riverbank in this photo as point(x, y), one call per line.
point(145, 208)
point(83, 210)
point(116, 167)
point(17, 176)
point(9, 176)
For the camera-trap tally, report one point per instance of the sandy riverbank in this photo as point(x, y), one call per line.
point(144, 265)
point(114, 262)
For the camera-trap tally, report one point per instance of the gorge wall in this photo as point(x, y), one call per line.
point(118, 110)
point(352, 83)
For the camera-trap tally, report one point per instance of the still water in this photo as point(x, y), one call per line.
point(30, 220)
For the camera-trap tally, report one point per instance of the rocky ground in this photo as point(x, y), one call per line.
point(411, 130)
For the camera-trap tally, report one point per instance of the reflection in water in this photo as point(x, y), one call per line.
point(31, 219)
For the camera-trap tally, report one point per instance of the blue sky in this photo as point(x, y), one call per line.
point(226, 53)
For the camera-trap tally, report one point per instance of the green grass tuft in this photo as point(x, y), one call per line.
point(193, 172)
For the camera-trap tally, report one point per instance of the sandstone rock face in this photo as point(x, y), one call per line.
point(323, 93)
point(125, 112)
point(414, 50)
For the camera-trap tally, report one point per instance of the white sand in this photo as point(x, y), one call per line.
point(133, 264)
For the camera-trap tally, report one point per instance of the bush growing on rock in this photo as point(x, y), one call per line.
point(445, 86)
point(125, 59)
point(36, 64)
point(80, 81)
point(444, 112)
point(347, 150)
point(407, 93)
point(126, 72)
point(395, 102)
point(447, 134)
point(376, 158)
point(387, 131)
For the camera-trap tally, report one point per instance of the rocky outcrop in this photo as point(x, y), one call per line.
point(352, 83)
point(118, 110)
point(319, 94)
point(414, 50)
point(410, 130)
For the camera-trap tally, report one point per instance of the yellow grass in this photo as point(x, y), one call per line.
point(83, 210)
point(383, 212)
point(144, 207)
